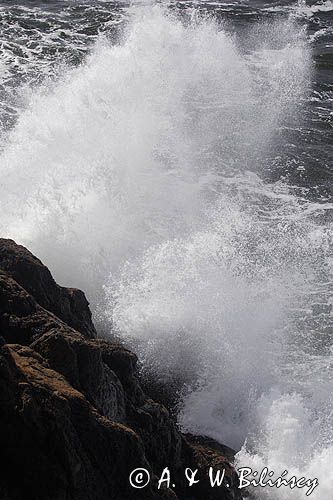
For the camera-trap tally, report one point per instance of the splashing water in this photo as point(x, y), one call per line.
point(142, 171)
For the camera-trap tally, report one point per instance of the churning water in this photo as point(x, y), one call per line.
point(174, 162)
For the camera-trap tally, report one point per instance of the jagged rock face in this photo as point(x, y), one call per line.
point(22, 319)
point(55, 444)
point(69, 304)
point(82, 364)
point(74, 420)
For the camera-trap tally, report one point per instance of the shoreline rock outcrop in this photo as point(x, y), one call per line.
point(74, 419)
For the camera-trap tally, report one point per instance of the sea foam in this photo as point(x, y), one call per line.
point(139, 177)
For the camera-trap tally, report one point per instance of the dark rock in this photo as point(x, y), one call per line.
point(124, 363)
point(211, 444)
point(202, 454)
point(54, 444)
point(22, 319)
point(80, 361)
point(74, 419)
point(69, 304)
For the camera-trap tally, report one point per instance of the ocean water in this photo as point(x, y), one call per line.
point(174, 160)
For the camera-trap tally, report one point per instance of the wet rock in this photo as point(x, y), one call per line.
point(211, 444)
point(205, 453)
point(74, 419)
point(54, 444)
point(69, 304)
point(22, 319)
point(81, 363)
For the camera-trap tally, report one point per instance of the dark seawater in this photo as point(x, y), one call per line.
point(175, 161)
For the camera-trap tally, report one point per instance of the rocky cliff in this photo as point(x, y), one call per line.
point(74, 419)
